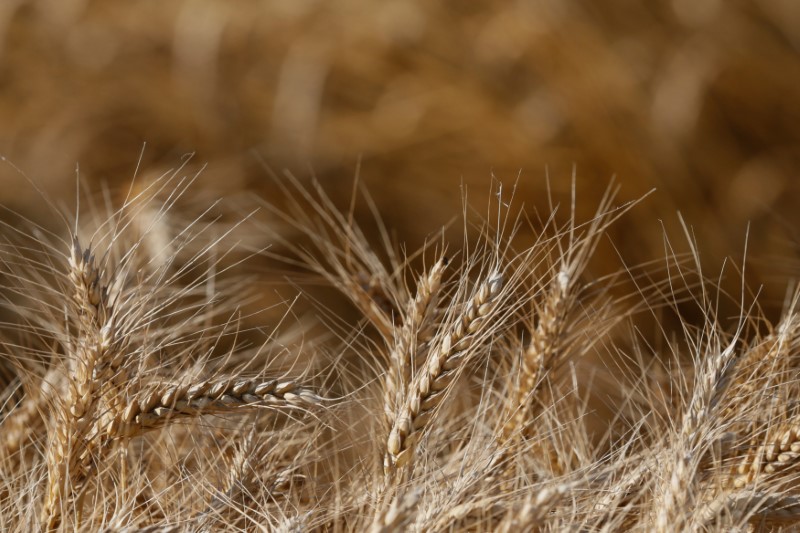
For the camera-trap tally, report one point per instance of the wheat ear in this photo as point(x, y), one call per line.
point(165, 403)
point(677, 494)
point(765, 371)
point(95, 355)
point(777, 455)
point(751, 506)
point(441, 368)
point(27, 420)
point(549, 344)
point(398, 514)
point(533, 511)
point(539, 357)
point(411, 340)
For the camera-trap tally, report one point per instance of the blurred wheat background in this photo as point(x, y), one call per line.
point(698, 99)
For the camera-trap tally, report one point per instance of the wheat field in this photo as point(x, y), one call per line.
point(411, 265)
point(491, 383)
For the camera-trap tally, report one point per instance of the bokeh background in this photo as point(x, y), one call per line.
point(699, 99)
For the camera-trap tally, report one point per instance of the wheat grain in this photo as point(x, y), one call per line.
point(779, 453)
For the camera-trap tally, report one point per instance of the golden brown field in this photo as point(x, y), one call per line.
point(399, 266)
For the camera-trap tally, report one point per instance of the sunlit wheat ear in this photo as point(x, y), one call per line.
point(557, 318)
point(160, 405)
point(97, 352)
point(532, 511)
point(453, 347)
point(26, 422)
point(773, 509)
point(765, 376)
point(538, 357)
point(780, 455)
point(266, 472)
point(412, 339)
point(165, 410)
point(677, 492)
point(772, 433)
